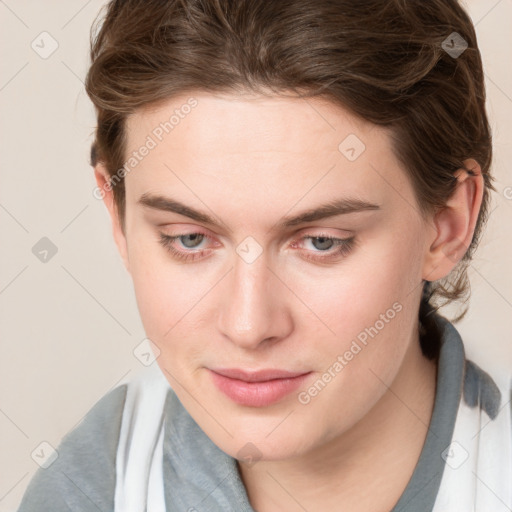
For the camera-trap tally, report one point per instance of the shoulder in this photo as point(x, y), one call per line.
point(82, 477)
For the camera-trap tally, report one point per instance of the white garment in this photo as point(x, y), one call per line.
point(478, 475)
point(139, 478)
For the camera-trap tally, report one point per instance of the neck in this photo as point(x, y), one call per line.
point(375, 457)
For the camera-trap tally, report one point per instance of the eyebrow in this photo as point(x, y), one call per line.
point(331, 209)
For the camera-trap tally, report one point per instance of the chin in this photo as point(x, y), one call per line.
point(263, 447)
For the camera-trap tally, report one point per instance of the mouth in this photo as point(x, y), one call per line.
point(256, 388)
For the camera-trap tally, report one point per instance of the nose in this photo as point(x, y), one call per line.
point(253, 309)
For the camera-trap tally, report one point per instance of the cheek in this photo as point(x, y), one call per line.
point(369, 307)
point(171, 299)
point(377, 279)
point(160, 288)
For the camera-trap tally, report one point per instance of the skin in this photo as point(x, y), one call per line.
point(248, 161)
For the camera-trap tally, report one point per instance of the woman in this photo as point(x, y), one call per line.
point(295, 188)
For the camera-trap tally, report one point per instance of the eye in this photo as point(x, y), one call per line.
point(325, 248)
point(189, 241)
point(330, 248)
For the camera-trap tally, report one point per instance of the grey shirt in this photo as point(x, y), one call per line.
point(198, 476)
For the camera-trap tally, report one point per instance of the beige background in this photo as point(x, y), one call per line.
point(69, 326)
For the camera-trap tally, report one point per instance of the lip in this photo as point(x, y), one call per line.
point(256, 388)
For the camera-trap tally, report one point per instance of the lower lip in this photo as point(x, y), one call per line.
point(257, 394)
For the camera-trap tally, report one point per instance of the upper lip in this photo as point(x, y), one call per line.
point(256, 375)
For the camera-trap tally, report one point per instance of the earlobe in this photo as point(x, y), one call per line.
point(455, 223)
point(106, 193)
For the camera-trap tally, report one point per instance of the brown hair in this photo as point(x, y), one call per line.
point(384, 60)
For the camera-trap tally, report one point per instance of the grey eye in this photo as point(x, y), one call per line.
point(193, 240)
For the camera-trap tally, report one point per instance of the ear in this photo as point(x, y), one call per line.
point(105, 192)
point(454, 224)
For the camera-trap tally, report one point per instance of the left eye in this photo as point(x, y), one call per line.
point(322, 243)
point(325, 247)
point(328, 247)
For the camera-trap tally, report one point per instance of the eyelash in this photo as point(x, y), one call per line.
point(344, 247)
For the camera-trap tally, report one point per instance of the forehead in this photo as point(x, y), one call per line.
point(265, 149)
point(249, 122)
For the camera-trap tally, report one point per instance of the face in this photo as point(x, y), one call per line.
point(239, 266)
